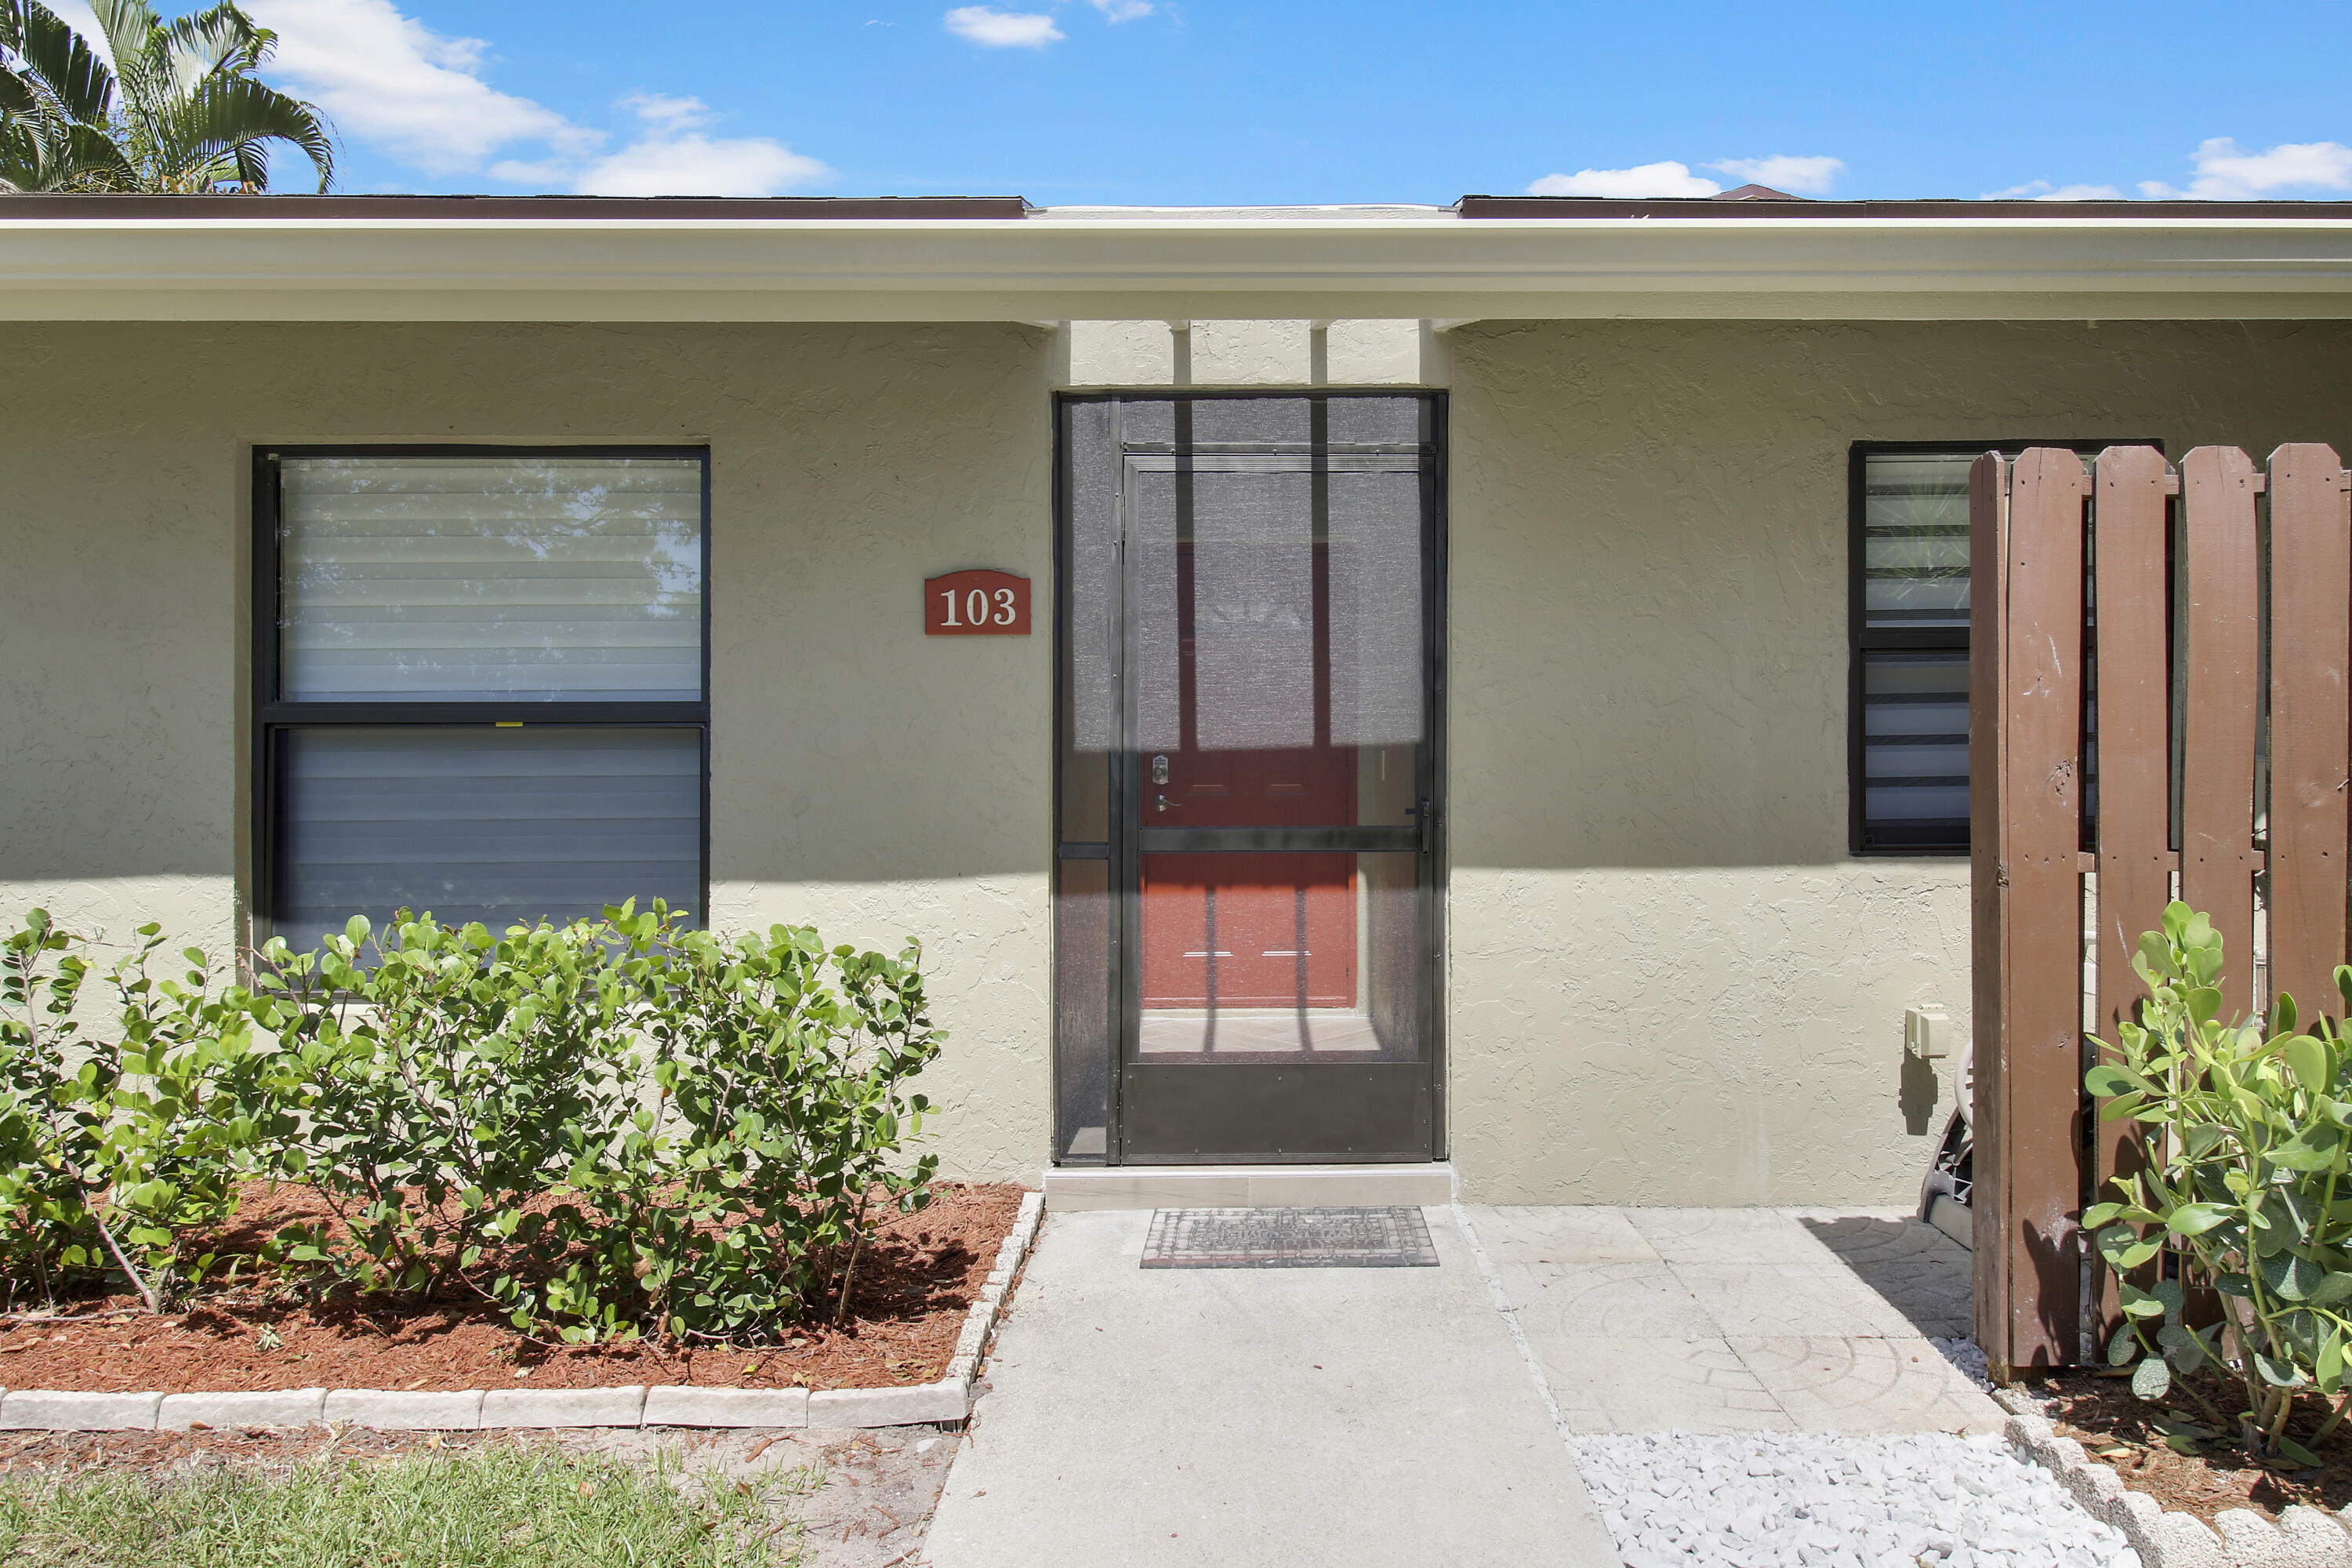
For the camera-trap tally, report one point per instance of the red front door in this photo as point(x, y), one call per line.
point(1250, 626)
point(1227, 930)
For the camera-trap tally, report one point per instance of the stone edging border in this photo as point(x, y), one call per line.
point(2303, 1537)
point(477, 1409)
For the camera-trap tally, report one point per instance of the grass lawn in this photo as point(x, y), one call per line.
point(502, 1506)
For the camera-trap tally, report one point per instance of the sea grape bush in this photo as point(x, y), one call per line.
point(452, 1095)
point(779, 1065)
point(115, 1141)
point(605, 1128)
point(2245, 1137)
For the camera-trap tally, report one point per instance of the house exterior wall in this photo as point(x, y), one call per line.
point(864, 779)
point(1668, 980)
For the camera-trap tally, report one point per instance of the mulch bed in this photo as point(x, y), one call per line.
point(907, 1304)
point(2128, 1433)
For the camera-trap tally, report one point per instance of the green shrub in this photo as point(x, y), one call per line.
point(114, 1143)
point(603, 1127)
point(2247, 1130)
point(782, 1070)
point(450, 1094)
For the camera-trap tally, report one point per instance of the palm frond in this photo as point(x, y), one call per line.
point(251, 162)
point(24, 163)
point(198, 137)
point(128, 26)
point(42, 152)
point(177, 111)
point(207, 42)
point(134, 39)
point(16, 95)
point(96, 160)
point(62, 62)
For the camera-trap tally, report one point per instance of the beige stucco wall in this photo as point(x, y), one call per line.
point(865, 778)
point(1670, 982)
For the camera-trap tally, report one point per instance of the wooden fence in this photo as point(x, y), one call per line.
point(2131, 626)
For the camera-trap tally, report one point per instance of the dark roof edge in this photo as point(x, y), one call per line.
point(1949, 207)
point(47, 204)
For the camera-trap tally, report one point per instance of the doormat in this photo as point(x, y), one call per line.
point(1290, 1239)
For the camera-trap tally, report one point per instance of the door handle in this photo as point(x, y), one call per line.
point(1163, 802)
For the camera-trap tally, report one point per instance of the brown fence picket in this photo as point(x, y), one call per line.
point(2311, 564)
point(2026, 832)
point(2130, 526)
point(1988, 890)
point(2220, 636)
point(2189, 646)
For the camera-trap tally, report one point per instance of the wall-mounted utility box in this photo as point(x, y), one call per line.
point(1926, 1033)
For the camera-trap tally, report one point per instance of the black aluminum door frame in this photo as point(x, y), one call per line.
point(1319, 1112)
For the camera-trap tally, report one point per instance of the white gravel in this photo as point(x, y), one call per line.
point(1968, 1356)
point(1770, 1500)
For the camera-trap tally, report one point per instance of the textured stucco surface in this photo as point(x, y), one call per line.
point(1371, 352)
point(865, 778)
point(1670, 983)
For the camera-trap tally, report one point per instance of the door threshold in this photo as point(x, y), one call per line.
point(1069, 1188)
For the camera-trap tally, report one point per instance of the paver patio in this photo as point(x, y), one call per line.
point(1388, 1416)
point(1745, 1319)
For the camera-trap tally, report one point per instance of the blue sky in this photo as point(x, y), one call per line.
point(1214, 101)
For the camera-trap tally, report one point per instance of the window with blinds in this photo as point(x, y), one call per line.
point(482, 692)
point(1909, 641)
point(1912, 658)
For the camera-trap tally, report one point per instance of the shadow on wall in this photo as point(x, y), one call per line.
point(1916, 1096)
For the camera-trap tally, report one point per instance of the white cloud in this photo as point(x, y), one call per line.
point(997, 29)
point(2225, 171)
point(387, 78)
point(675, 159)
point(2043, 191)
point(1645, 180)
point(697, 165)
point(1122, 10)
point(660, 108)
point(1797, 176)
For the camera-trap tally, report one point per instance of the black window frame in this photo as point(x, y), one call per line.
point(1862, 638)
point(273, 716)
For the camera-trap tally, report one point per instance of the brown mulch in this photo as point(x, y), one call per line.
point(2104, 1416)
point(908, 1303)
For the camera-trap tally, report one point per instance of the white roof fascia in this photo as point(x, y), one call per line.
point(1131, 264)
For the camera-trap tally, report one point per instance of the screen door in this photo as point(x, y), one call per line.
point(1248, 772)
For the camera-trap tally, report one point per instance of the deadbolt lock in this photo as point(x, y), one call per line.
point(1159, 770)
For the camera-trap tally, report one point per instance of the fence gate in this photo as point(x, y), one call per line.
point(2157, 708)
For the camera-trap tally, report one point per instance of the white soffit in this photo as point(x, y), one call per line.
point(1125, 264)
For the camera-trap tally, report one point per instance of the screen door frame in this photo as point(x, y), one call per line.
point(1314, 1112)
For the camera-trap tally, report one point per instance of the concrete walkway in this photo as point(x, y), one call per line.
point(1258, 1418)
point(1752, 1319)
point(1396, 1415)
